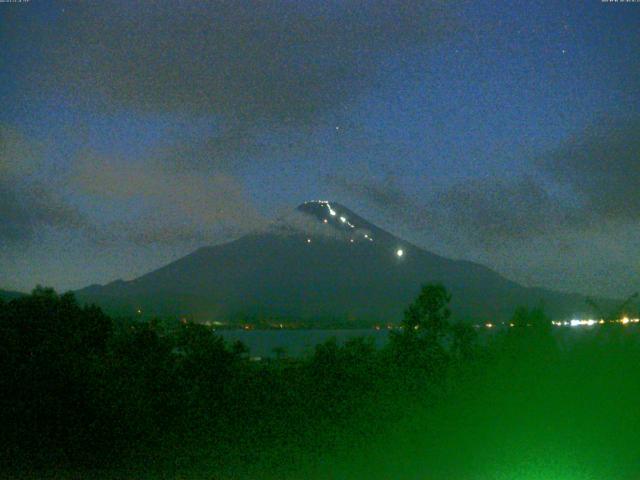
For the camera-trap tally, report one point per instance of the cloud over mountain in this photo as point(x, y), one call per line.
point(246, 60)
point(602, 166)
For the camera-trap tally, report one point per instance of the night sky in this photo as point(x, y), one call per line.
point(506, 133)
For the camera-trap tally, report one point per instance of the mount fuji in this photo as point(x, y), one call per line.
point(323, 263)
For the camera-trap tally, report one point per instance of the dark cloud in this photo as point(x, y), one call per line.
point(602, 166)
point(492, 209)
point(227, 151)
point(243, 60)
point(27, 203)
point(596, 180)
point(172, 206)
point(94, 195)
point(384, 194)
point(155, 231)
point(180, 210)
point(24, 209)
point(484, 211)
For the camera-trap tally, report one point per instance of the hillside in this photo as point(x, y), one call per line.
point(7, 295)
point(323, 263)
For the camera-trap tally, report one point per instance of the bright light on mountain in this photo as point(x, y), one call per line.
point(399, 252)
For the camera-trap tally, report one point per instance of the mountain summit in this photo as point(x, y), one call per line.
point(323, 262)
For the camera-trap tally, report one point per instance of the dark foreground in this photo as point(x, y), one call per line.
point(86, 396)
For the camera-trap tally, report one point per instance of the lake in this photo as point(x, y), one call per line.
point(297, 343)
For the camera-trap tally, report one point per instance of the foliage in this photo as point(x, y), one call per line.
point(86, 390)
point(429, 313)
point(531, 318)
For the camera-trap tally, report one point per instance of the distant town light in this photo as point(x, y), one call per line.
point(343, 219)
point(399, 252)
point(308, 240)
point(580, 323)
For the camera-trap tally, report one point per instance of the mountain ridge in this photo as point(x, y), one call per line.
point(8, 295)
point(322, 262)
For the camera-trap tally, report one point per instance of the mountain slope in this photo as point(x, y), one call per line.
point(7, 295)
point(324, 262)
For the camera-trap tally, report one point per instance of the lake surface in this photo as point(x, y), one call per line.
point(297, 343)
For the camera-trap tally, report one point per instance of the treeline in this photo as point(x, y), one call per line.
point(82, 390)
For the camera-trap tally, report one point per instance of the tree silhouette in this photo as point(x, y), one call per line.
point(429, 314)
point(80, 387)
point(418, 350)
point(280, 352)
point(51, 349)
point(239, 348)
point(615, 313)
point(463, 343)
point(535, 318)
